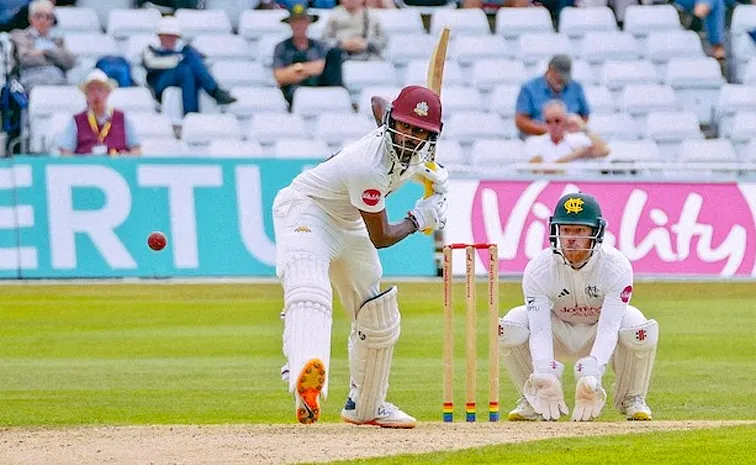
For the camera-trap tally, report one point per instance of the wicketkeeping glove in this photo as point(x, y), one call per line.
point(543, 390)
point(590, 396)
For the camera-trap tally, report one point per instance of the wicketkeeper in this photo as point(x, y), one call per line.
point(577, 296)
point(328, 224)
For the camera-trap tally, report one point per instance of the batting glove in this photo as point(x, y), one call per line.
point(430, 213)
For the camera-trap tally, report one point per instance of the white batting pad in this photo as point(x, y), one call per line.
point(371, 347)
point(308, 315)
point(634, 360)
point(514, 351)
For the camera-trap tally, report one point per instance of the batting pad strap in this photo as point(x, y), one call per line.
point(375, 331)
point(634, 360)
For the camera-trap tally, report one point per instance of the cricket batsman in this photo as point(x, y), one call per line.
point(329, 223)
point(576, 305)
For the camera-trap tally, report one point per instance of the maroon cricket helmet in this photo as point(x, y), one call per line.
point(418, 106)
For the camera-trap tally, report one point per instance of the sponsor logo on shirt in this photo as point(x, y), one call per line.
point(371, 197)
point(580, 311)
point(564, 293)
point(626, 293)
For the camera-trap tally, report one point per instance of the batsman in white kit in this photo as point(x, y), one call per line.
point(577, 296)
point(328, 224)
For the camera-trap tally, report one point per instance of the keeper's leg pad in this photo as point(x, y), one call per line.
point(633, 360)
point(308, 314)
point(371, 347)
point(514, 351)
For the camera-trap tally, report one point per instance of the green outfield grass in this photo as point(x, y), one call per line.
point(140, 354)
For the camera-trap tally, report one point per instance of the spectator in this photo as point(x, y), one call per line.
point(712, 12)
point(556, 83)
point(14, 14)
point(383, 4)
point(174, 63)
point(559, 145)
point(99, 130)
point(356, 31)
point(41, 58)
point(301, 61)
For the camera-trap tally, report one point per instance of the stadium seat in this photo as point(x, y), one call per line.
point(576, 22)
point(164, 147)
point(665, 45)
point(130, 99)
point(399, 20)
point(495, 152)
point(387, 92)
point(503, 100)
point(234, 8)
point(235, 148)
point(537, 46)
point(334, 128)
point(697, 82)
point(361, 74)
point(511, 23)
point(749, 75)
point(744, 51)
point(463, 22)
point(50, 133)
point(172, 105)
point(266, 128)
point(469, 49)
point(91, 46)
point(266, 46)
point(743, 19)
point(707, 151)
point(103, 7)
point(301, 148)
point(256, 24)
point(456, 98)
point(487, 74)
point(732, 99)
point(44, 101)
point(641, 20)
point(416, 73)
point(616, 75)
point(152, 125)
point(633, 151)
point(600, 100)
point(222, 47)
point(252, 100)
point(640, 99)
point(617, 126)
point(310, 101)
point(70, 19)
point(743, 129)
point(200, 129)
point(450, 153)
point(123, 24)
point(467, 126)
point(600, 47)
point(748, 154)
point(203, 22)
point(668, 129)
point(399, 52)
point(581, 71)
point(136, 44)
point(241, 74)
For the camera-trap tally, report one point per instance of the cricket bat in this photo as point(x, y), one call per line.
point(435, 80)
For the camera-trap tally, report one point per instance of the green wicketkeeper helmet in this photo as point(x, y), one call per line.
point(579, 208)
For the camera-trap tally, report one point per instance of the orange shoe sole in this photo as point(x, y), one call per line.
point(309, 385)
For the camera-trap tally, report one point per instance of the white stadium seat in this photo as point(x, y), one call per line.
point(200, 129)
point(600, 99)
point(618, 126)
point(416, 73)
point(301, 148)
point(537, 46)
point(668, 129)
point(387, 92)
point(456, 98)
point(255, 24)
point(235, 148)
point(697, 82)
point(403, 48)
point(495, 152)
point(310, 101)
point(266, 128)
point(136, 44)
point(164, 147)
point(222, 47)
point(744, 52)
point(732, 99)
point(467, 126)
point(664, 45)
point(748, 154)
point(91, 46)
point(599, 47)
point(503, 100)
point(266, 47)
point(76, 19)
point(743, 129)
point(743, 19)
point(466, 50)
point(463, 22)
point(334, 128)
point(234, 8)
point(581, 71)
point(44, 101)
point(576, 22)
point(130, 99)
point(360, 74)
point(450, 152)
point(511, 23)
point(640, 99)
point(152, 125)
point(252, 100)
point(241, 74)
point(709, 151)
point(633, 151)
point(616, 75)
point(487, 74)
point(399, 20)
point(641, 20)
point(123, 24)
point(203, 22)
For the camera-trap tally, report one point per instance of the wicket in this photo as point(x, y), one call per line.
point(470, 333)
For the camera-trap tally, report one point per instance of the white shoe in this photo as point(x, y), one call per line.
point(635, 408)
point(309, 385)
point(388, 416)
point(524, 412)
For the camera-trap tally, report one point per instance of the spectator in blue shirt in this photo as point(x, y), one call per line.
point(555, 84)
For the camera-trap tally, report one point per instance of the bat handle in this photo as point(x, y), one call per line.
point(428, 191)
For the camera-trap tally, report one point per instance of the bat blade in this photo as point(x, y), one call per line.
point(435, 77)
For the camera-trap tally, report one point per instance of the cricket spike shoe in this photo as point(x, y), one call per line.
point(388, 415)
point(635, 408)
point(524, 412)
point(309, 385)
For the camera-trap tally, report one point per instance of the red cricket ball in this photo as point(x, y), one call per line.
point(157, 241)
